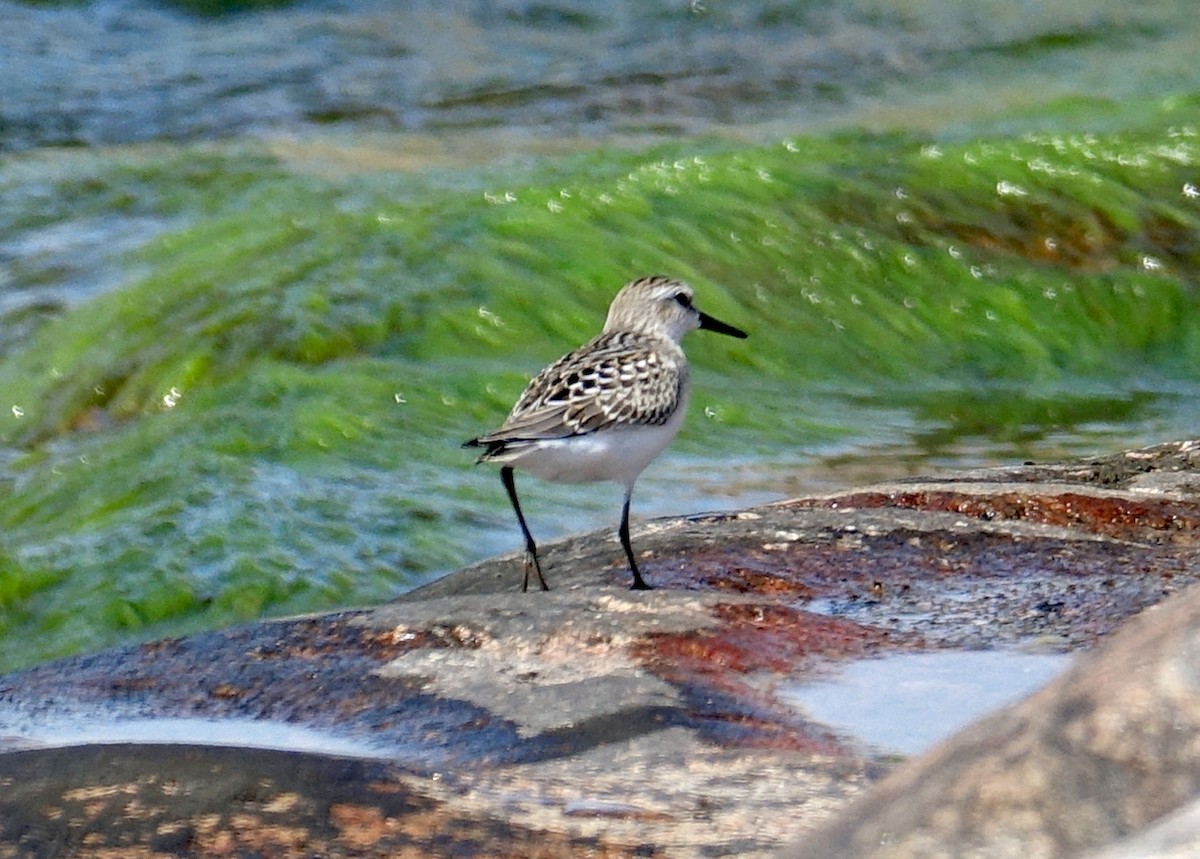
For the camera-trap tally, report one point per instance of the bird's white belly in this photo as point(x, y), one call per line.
point(619, 455)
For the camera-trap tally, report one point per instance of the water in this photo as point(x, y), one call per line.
point(903, 704)
point(55, 732)
point(567, 69)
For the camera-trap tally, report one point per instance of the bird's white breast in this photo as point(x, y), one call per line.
point(618, 453)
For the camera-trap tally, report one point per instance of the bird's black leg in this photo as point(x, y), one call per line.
point(506, 475)
point(639, 584)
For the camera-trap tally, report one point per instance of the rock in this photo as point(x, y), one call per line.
point(1103, 751)
point(468, 718)
point(1173, 837)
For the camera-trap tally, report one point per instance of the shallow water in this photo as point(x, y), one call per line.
point(95, 729)
point(904, 704)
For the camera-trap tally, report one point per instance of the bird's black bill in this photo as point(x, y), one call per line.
point(710, 324)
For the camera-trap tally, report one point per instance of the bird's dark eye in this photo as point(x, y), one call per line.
point(683, 299)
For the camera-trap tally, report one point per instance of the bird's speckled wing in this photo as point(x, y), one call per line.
point(619, 378)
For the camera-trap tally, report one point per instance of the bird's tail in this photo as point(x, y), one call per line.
point(492, 447)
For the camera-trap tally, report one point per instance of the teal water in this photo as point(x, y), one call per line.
point(234, 375)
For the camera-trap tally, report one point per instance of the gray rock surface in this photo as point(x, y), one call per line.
point(469, 719)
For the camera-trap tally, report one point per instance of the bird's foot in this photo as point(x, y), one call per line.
point(531, 563)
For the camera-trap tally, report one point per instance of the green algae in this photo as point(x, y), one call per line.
point(267, 419)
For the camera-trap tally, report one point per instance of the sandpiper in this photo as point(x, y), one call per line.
point(604, 411)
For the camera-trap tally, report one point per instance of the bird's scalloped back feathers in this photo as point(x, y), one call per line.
point(619, 378)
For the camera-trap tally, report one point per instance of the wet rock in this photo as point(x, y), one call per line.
point(1105, 750)
point(131, 800)
point(468, 718)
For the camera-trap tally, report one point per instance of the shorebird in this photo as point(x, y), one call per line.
point(605, 410)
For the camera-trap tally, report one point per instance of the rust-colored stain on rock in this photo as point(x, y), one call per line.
point(1116, 517)
point(714, 668)
point(320, 673)
point(954, 588)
